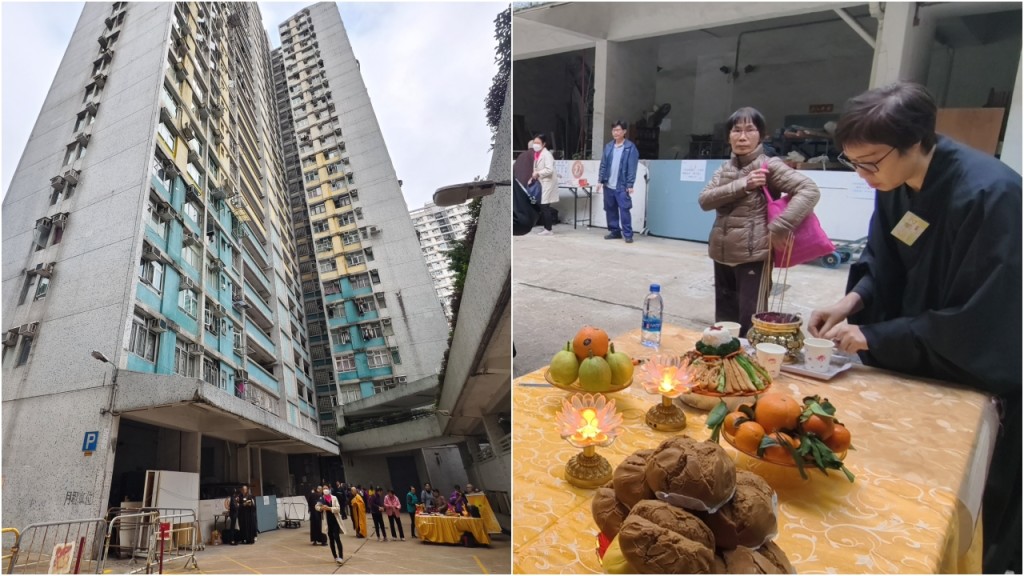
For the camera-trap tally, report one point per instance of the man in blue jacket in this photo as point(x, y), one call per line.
point(617, 175)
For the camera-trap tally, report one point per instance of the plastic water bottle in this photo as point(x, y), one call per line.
point(650, 334)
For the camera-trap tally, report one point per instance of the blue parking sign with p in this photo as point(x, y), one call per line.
point(90, 441)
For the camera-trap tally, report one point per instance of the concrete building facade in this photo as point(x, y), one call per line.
point(437, 228)
point(384, 326)
point(148, 220)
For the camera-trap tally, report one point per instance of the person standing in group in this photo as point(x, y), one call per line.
point(393, 508)
point(376, 504)
point(741, 239)
point(616, 177)
point(411, 500)
point(340, 491)
point(247, 526)
point(316, 533)
point(358, 513)
point(233, 518)
point(544, 172)
point(330, 508)
point(936, 292)
point(427, 498)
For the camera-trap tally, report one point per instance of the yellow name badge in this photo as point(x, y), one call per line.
point(909, 229)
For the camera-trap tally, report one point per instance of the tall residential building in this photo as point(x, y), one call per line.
point(438, 227)
point(376, 320)
point(148, 225)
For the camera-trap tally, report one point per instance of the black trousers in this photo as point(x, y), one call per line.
point(379, 529)
point(392, 520)
point(547, 215)
point(334, 536)
point(1001, 504)
point(739, 294)
point(412, 524)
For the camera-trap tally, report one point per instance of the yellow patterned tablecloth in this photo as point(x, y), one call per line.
point(486, 513)
point(449, 529)
point(920, 458)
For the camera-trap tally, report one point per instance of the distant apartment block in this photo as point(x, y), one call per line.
point(438, 228)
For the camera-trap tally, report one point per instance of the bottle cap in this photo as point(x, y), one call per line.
point(655, 288)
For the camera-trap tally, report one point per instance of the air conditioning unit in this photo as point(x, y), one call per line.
point(349, 174)
point(171, 169)
point(187, 131)
point(44, 222)
point(58, 182)
point(179, 70)
point(194, 349)
point(190, 238)
point(83, 137)
point(215, 265)
point(374, 229)
point(100, 79)
point(72, 176)
point(109, 21)
point(216, 110)
point(107, 54)
point(60, 219)
point(10, 338)
point(204, 110)
point(92, 107)
point(241, 375)
point(29, 329)
point(157, 325)
point(151, 253)
point(218, 310)
point(164, 212)
point(239, 304)
point(385, 322)
point(401, 380)
point(188, 283)
point(103, 40)
point(191, 192)
point(44, 270)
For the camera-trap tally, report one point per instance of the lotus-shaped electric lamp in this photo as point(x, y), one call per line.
point(587, 421)
point(669, 377)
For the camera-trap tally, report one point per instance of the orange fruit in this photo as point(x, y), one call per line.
point(748, 437)
point(729, 426)
point(777, 411)
point(820, 427)
point(839, 441)
point(590, 341)
point(780, 454)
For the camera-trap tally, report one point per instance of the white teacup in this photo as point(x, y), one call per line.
point(732, 327)
point(818, 354)
point(770, 356)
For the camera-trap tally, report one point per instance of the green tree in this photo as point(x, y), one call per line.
point(503, 57)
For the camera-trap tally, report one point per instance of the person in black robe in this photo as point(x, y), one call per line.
point(937, 291)
point(316, 533)
point(232, 532)
point(247, 530)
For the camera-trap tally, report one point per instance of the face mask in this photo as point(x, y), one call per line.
point(327, 492)
point(537, 147)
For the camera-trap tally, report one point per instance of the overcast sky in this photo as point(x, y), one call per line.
point(427, 67)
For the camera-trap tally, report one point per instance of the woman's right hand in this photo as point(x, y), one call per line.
point(757, 179)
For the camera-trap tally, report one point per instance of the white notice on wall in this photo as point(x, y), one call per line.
point(266, 500)
point(692, 170)
point(563, 173)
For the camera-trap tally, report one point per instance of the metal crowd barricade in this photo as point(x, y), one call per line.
point(8, 550)
point(142, 526)
point(75, 546)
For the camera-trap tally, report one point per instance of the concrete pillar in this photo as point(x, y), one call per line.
point(1011, 152)
point(256, 470)
point(242, 458)
point(494, 431)
point(191, 451)
point(600, 132)
point(902, 45)
point(624, 84)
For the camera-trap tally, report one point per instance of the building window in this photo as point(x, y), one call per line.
point(381, 300)
point(360, 281)
point(378, 358)
point(168, 99)
point(395, 357)
point(159, 226)
point(321, 226)
point(327, 266)
point(346, 219)
point(342, 336)
point(345, 363)
point(165, 135)
point(317, 209)
point(191, 210)
point(331, 288)
point(184, 363)
point(191, 256)
point(368, 252)
point(143, 341)
point(152, 273)
point(314, 193)
point(340, 201)
point(26, 349)
point(350, 238)
point(188, 302)
point(334, 168)
point(41, 288)
point(211, 373)
point(197, 178)
point(355, 259)
point(374, 277)
point(324, 245)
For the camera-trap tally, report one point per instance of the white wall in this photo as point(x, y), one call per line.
point(975, 71)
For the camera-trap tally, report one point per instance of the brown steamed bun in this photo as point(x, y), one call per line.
point(608, 512)
point(658, 538)
point(749, 518)
point(742, 560)
point(628, 479)
point(698, 470)
point(776, 556)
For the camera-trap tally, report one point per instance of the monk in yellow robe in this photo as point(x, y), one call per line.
point(358, 514)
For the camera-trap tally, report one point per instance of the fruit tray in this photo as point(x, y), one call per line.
point(575, 386)
point(729, 439)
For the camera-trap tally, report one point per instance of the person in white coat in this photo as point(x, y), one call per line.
point(544, 172)
point(329, 507)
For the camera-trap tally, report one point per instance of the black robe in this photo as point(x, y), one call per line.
point(247, 529)
point(316, 531)
point(949, 306)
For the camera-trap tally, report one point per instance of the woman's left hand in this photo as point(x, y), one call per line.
point(535, 176)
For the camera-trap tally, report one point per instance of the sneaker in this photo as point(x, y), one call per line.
point(403, 539)
point(339, 560)
point(545, 233)
point(612, 236)
point(629, 240)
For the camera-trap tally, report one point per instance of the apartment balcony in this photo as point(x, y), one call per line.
point(255, 275)
point(255, 336)
point(260, 376)
point(258, 308)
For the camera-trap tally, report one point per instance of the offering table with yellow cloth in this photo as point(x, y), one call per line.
point(449, 529)
point(920, 458)
point(479, 499)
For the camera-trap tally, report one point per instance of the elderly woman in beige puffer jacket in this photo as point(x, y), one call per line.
point(741, 239)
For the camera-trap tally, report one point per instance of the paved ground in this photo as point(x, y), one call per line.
point(290, 552)
point(575, 277)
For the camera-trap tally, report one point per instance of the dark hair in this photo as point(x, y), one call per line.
point(621, 124)
point(748, 114)
point(544, 139)
point(899, 115)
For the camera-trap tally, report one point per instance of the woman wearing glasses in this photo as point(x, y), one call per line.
point(937, 291)
point(741, 239)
